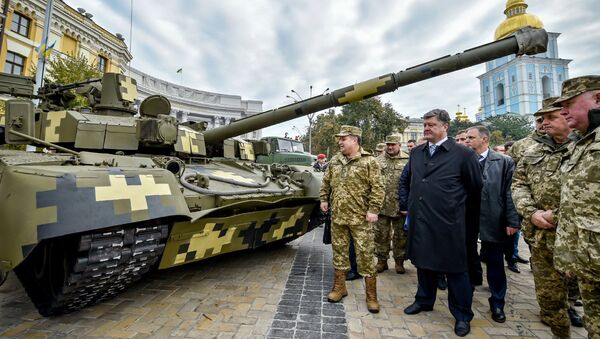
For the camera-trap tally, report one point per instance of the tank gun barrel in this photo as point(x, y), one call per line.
point(525, 41)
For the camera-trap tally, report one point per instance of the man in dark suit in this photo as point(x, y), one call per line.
point(445, 187)
point(498, 216)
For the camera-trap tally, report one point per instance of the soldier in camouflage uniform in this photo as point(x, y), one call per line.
point(577, 248)
point(391, 162)
point(353, 185)
point(379, 149)
point(536, 193)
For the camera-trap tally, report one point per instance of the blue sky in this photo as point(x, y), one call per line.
point(262, 49)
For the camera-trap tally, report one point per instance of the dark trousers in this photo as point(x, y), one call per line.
point(460, 294)
point(352, 256)
point(509, 249)
point(496, 277)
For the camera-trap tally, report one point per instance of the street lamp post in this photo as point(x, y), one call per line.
point(309, 116)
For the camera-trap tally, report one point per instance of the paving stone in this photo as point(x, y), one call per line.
point(302, 334)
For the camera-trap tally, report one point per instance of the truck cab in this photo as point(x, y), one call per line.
point(286, 151)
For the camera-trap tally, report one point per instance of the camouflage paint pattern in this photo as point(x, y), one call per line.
point(550, 291)
point(390, 229)
point(517, 149)
point(364, 245)
point(62, 200)
point(207, 236)
point(590, 293)
point(536, 186)
point(352, 187)
point(391, 168)
point(578, 234)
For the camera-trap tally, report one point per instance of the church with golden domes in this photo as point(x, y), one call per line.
point(519, 84)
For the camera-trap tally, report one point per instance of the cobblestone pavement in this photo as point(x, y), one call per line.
point(273, 293)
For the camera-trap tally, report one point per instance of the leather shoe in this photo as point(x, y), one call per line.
point(462, 328)
point(417, 308)
point(442, 284)
point(351, 275)
point(575, 318)
point(520, 260)
point(514, 267)
point(498, 315)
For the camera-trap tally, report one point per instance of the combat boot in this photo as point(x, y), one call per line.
point(339, 287)
point(371, 291)
point(400, 266)
point(381, 265)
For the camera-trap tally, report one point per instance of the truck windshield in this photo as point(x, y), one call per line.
point(289, 146)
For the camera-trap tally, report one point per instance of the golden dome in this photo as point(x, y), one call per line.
point(516, 18)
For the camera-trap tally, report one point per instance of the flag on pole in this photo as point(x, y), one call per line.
point(180, 70)
point(45, 50)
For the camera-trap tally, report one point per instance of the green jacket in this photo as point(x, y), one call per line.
point(517, 149)
point(391, 169)
point(352, 187)
point(578, 233)
point(536, 186)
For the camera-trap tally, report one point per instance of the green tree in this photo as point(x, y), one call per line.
point(512, 127)
point(377, 120)
point(324, 127)
point(69, 69)
point(458, 125)
point(496, 138)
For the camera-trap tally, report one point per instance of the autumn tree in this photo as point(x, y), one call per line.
point(512, 127)
point(324, 128)
point(376, 119)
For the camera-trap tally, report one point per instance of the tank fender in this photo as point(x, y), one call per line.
point(42, 202)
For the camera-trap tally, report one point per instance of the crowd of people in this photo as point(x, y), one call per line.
point(451, 204)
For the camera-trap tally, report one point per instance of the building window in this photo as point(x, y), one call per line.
point(500, 94)
point(560, 77)
point(512, 78)
point(546, 87)
point(14, 63)
point(20, 24)
point(530, 76)
point(102, 63)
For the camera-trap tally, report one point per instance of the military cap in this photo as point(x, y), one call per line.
point(380, 147)
point(575, 86)
point(547, 106)
point(349, 130)
point(393, 139)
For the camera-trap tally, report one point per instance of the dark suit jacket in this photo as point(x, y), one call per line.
point(443, 206)
point(497, 208)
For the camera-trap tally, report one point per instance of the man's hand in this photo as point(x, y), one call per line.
point(371, 217)
point(539, 221)
point(324, 207)
point(404, 212)
point(549, 216)
point(511, 230)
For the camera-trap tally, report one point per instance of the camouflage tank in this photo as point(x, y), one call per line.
point(120, 191)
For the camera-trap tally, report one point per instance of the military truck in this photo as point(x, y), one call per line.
point(286, 151)
point(123, 190)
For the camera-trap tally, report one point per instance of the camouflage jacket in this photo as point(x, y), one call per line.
point(352, 187)
point(391, 169)
point(578, 233)
point(517, 149)
point(536, 186)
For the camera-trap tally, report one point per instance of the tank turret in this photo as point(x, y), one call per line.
point(118, 193)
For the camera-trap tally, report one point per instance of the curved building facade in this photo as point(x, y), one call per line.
point(188, 104)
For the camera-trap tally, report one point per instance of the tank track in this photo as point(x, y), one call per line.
point(100, 266)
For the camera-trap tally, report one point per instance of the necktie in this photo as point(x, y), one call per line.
point(481, 159)
point(432, 149)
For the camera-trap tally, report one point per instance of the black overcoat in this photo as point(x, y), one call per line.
point(444, 198)
point(497, 208)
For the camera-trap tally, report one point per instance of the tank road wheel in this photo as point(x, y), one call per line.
point(68, 273)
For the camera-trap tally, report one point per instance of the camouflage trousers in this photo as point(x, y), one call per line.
point(590, 294)
point(573, 293)
point(386, 229)
point(551, 291)
point(363, 245)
